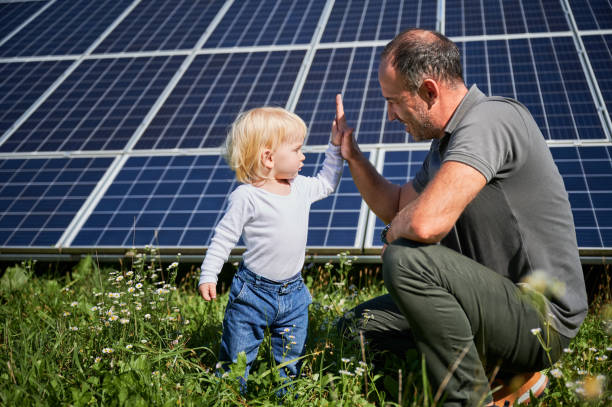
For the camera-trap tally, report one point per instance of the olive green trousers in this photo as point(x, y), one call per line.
point(465, 319)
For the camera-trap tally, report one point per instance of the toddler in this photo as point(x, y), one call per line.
point(270, 211)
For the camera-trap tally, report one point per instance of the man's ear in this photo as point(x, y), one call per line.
point(266, 158)
point(429, 91)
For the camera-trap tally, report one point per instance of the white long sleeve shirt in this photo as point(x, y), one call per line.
point(274, 227)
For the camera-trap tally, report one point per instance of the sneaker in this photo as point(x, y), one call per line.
point(519, 390)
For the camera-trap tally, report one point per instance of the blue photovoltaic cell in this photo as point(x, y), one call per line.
point(40, 197)
point(542, 73)
point(586, 172)
point(592, 14)
point(256, 22)
point(14, 14)
point(213, 90)
point(98, 107)
point(177, 202)
point(21, 84)
point(473, 17)
point(353, 72)
point(67, 27)
point(399, 168)
point(367, 20)
point(599, 50)
point(333, 221)
point(160, 25)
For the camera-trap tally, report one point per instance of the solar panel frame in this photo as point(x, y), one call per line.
point(586, 172)
point(170, 124)
point(177, 201)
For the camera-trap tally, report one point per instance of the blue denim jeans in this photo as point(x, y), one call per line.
point(257, 304)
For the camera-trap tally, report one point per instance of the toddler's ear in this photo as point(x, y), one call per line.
point(266, 159)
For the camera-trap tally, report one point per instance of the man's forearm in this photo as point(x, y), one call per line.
point(381, 195)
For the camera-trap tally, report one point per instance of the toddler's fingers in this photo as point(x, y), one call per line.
point(203, 289)
point(213, 292)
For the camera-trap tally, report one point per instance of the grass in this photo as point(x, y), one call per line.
point(135, 336)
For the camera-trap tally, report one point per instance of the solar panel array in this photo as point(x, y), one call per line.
point(113, 111)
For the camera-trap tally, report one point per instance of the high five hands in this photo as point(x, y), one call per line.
point(342, 134)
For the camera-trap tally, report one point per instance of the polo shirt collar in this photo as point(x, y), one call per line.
point(470, 99)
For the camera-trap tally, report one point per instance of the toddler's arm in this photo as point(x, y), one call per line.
point(226, 236)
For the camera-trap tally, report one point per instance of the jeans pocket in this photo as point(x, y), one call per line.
point(237, 290)
point(307, 295)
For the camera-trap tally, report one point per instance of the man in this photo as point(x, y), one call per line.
point(490, 194)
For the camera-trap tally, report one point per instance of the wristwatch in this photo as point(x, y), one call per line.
point(383, 234)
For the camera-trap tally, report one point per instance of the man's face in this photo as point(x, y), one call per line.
point(404, 106)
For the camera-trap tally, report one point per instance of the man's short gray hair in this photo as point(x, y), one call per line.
point(418, 54)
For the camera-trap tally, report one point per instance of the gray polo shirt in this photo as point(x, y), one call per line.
point(521, 221)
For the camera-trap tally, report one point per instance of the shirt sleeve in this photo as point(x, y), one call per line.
point(494, 139)
point(328, 178)
point(227, 233)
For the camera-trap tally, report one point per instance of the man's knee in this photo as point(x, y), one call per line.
point(401, 263)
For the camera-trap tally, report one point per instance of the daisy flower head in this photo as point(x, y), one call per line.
point(107, 350)
point(74, 304)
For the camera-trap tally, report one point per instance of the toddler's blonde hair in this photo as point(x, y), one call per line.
point(253, 132)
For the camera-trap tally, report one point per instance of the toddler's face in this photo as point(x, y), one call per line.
point(288, 160)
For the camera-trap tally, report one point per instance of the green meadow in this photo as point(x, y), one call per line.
point(139, 335)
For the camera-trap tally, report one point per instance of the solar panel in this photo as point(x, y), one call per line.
point(255, 22)
point(364, 20)
point(213, 90)
point(160, 25)
point(592, 14)
point(40, 197)
point(177, 201)
point(14, 14)
point(545, 75)
point(586, 172)
point(599, 50)
point(98, 107)
point(67, 27)
point(474, 17)
point(144, 91)
point(21, 84)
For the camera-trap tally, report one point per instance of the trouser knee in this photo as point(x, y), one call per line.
point(405, 263)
